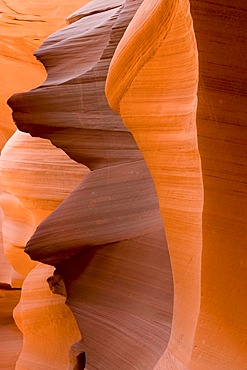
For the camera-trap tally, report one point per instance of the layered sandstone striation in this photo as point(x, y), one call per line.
point(23, 27)
point(156, 97)
point(35, 178)
point(221, 336)
point(106, 239)
point(152, 83)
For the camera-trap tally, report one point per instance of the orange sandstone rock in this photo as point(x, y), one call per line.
point(35, 177)
point(23, 27)
point(48, 326)
point(152, 83)
point(156, 97)
point(221, 336)
point(17, 228)
point(6, 270)
point(106, 239)
point(10, 336)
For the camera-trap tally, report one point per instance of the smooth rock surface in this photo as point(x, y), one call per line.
point(10, 335)
point(6, 270)
point(156, 97)
point(48, 326)
point(152, 83)
point(221, 336)
point(106, 239)
point(35, 178)
point(109, 249)
point(23, 27)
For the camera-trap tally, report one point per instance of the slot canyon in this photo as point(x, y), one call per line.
point(123, 185)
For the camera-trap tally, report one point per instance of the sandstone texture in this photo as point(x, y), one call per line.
point(23, 27)
point(156, 97)
point(222, 134)
point(10, 336)
point(198, 164)
point(106, 239)
point(6, 270)
point(35, 177)
point(150, 95)
point(48, 326)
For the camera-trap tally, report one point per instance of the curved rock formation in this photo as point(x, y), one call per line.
point(47, 324)
point(86, 116)
point(23, 27)
point(35, 178)
point(17, 228)
point(6, 270)
point(106, 239)
point(10, 336)
point(152, 83)
point(156, 97)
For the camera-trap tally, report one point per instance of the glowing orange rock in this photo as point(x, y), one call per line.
point(10, 336)
point(106, 239)
point(6, 270)
point(17, 228)
point(47, 324)
point(152, 83)
point(156, 97)
point(221, 336)
point(35, 177)
point(23, 27)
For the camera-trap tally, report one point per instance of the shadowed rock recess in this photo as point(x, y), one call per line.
point(106, 239)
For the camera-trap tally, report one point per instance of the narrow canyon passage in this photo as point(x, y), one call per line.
point(148, 241)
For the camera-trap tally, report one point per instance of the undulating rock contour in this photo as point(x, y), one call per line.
point(48, 325)
point(36, 177)
point(152, 83)
point(106, 239)
point(23, 27)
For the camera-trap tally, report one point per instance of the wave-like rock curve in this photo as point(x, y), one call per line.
point(106, 239)
point(152, 83)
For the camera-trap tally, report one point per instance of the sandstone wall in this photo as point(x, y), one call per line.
point(106, 239)
point(197, 162)
point(176, 78)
